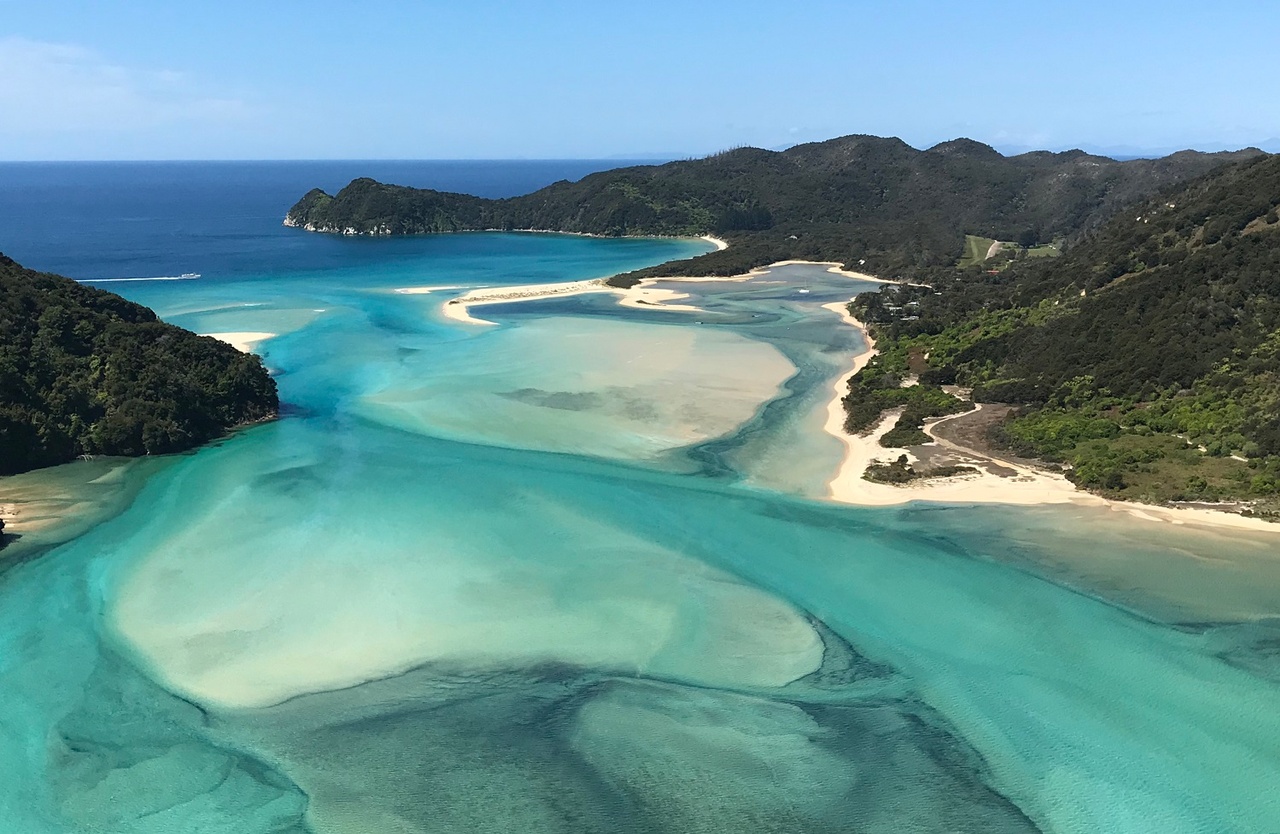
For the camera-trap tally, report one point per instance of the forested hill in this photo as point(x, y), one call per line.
point(853, 199)
point(1147, 357)
point(83, 371)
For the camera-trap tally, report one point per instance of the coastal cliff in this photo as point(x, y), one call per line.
point(84, 372)
point(863, 201)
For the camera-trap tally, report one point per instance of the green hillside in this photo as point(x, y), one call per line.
point(83, 371)
point(1146, 358)
point(860, 200)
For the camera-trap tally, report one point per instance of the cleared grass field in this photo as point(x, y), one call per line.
point(975, 250)
point(1044, 250)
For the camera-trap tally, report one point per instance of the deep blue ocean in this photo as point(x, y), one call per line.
point(145, 219)
point(575, 570)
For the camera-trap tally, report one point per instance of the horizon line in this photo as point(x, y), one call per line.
point(1008, 150)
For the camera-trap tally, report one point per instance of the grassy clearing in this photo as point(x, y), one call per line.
point(975, 250)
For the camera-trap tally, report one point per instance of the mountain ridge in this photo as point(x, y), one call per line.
point(853, 199)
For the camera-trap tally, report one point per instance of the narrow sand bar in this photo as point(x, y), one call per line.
point(428, 290)
point(644, 295)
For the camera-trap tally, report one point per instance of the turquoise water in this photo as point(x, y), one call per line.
point(570, 573)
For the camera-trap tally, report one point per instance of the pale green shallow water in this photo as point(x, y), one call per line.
point(476, 580)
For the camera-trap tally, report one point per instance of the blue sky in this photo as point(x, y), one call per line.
point(480, 79)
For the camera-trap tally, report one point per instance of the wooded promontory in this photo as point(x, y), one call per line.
point(83, 371)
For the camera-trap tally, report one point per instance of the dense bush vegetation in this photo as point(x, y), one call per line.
point(1146, 358)
point(876, 390)
point(83, 371)
point(901, 472)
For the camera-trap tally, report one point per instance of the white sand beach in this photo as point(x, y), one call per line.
point(457, 311)
point(1025, 487)
point(457, 308)
point(242, 340)
point(644, 296)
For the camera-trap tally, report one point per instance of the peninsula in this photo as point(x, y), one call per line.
point(876, 205)
point(85, 372)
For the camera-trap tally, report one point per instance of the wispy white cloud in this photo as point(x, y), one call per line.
point(48, 88)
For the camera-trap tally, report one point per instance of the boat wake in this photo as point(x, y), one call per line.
point(186, 276)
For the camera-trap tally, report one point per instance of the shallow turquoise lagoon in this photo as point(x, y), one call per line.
point(572, 574)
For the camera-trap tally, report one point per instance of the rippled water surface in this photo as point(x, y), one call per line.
point(573, 573)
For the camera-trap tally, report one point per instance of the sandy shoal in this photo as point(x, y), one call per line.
point(48, 506)
point(427, 290)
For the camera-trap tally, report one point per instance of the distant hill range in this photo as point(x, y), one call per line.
point(858, 200)
point(83, 371)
